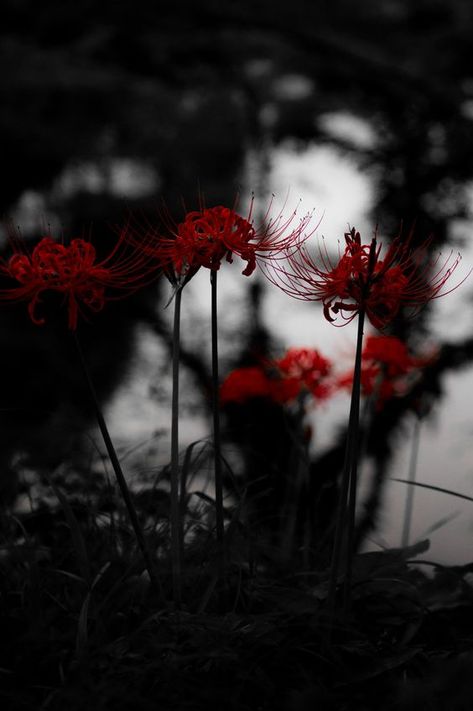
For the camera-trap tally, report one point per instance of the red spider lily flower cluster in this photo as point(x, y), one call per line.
point(244, 384)
point(307, 369)
point(364, 280)
point(73, 271)
point(210, 235)
point(301, 371)
point(386, 368)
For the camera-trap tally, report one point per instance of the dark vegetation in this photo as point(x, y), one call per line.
point(185, 90)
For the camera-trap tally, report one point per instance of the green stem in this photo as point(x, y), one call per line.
point(346, 507)
point(175, 506)
point(118, 472)
point(406, 526)
point(216, 429)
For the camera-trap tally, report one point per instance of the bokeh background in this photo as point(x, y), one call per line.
point(363, 110)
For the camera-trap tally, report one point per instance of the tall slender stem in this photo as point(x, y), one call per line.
point(175, 508)
point(406, 526)
point(216, 429)
point(346, 507)
point(295, 494)
point(354, 453)
point(118, 471)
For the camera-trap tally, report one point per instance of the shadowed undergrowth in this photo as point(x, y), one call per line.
point(81, 627)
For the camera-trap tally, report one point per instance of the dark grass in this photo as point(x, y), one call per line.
point(81, 627)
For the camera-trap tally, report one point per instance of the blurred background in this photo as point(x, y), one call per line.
point(364, 111)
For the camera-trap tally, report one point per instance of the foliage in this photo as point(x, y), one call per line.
point(82, 627)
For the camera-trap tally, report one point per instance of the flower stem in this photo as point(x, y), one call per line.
point(118, 472)
point(406, 526)
point(176, 537)
point(216, 430)
point(354, 453)
point(344, 531)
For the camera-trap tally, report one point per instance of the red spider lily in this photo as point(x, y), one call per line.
point(306, 368)
point(211, 234)
point(393, 354)
point(300, 371)
point(244, 384)
point(73, 270)
point(285, 390)
point(386, 368)
point(362, 280)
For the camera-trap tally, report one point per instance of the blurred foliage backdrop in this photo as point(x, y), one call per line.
point(107, 107)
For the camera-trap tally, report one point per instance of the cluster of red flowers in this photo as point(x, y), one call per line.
point(387, 368)
point(203, 239)
point(302, 371)
point(362, 280)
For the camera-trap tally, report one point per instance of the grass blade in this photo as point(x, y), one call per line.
point(76, 533)
point(434, 488)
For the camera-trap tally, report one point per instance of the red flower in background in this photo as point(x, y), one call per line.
point(300, 371)
point(306, 368)
point(364, 280)
point(386, 368)
point(284, 390)
point(73, 270)
point(208, 236)
point(243, 384)
point(392, 353)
